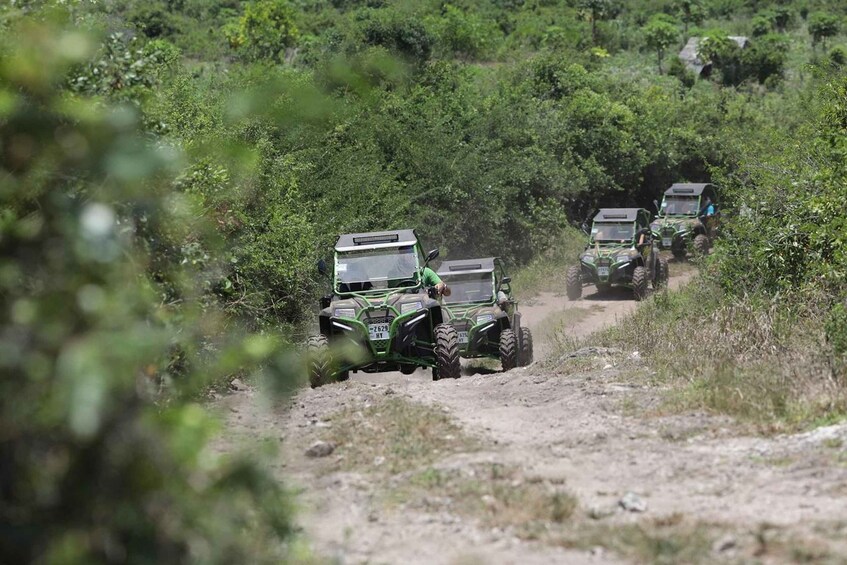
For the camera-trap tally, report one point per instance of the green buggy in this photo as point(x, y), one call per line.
point(688, 219)
point(484, 313)
point(620, 251)
point(380, 306)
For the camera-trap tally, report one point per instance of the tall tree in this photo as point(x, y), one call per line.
point(659, 35)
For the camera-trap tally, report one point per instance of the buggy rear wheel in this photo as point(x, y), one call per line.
point(662, 275)
point(573, 282)
point(319, 361)
point(508, 349)
point(447, 364)
point(526, 356)
point(639, 283)
point(701, 245)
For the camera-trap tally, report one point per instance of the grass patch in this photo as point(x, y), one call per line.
point(557, 327)
point(495, 494)
point(668, 539)
point(395, 435)
point(546, 272)
point(761, 360)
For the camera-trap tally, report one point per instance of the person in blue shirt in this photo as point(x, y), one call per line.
point(709, 210)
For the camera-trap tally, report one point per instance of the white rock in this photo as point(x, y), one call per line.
point(631, 502)
point(320, 449)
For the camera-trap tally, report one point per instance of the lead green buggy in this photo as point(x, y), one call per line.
point(380, 306)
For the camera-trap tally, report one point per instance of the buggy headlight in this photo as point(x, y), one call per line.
point(482, 318)
point(410, 307)
point(345, 312)
point(587, 258)
point(623, 257)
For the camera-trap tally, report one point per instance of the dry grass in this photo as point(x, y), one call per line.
point(669, 539)
point(496, 495)
point(395, 435)
point(763, 361)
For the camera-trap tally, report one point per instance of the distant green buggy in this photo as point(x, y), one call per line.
point(620, 251)
point(688, 219)
point(383, 303)
point(484, 313)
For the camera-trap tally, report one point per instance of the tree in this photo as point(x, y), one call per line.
point(782, 17)
point(725, 55)
point(690, 12)
point(598, 10)
point(659, 35)
point(265, 29)
point(762, 24)
point(822, 26)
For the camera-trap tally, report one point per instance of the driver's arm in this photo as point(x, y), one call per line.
point(432, 279)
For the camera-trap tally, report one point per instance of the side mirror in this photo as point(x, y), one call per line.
point(505, 280)
point(585, 228)
point(430, 256)
point(656, 205)
point(322, 270)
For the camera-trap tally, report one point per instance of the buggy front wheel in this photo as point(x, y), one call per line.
point(319, 361)
point(447, 364)
point(639, 283)
point(508, 349)
point(573, 282)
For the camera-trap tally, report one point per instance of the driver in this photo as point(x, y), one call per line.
point(405, 270)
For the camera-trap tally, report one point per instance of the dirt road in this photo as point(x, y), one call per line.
point(643, 487)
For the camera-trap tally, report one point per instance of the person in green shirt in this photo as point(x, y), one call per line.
point(431, 278)
point(405, 271)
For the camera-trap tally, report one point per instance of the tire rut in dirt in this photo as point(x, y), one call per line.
point(319, 360)
point(639, 283)
point(573, 284)
point(508, 349)
point(446, 353)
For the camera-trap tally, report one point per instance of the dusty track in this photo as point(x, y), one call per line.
point(585, 431)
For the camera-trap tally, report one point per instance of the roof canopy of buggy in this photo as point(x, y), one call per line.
point(463, 266)
point(376, 240)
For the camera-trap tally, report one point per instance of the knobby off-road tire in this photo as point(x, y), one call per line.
point(662, 274)
point(508, 349)
point(701, 245)
point(319, 361)
point(573, 282)
point(446, 353)
point(526, 356)
point(639, 283)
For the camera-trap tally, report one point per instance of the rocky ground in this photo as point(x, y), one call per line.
point(570, 460)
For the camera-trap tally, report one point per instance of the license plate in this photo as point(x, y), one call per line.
point(603, 271)
point(463, 337)
point(666, 242)
point(378, 331)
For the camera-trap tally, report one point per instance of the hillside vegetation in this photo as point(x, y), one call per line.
point(172, 170)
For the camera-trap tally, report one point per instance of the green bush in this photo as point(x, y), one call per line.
point(106, 337)
point(823, 26)
point(264, 30)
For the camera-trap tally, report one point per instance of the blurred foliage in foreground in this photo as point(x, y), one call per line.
point(97, 315)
